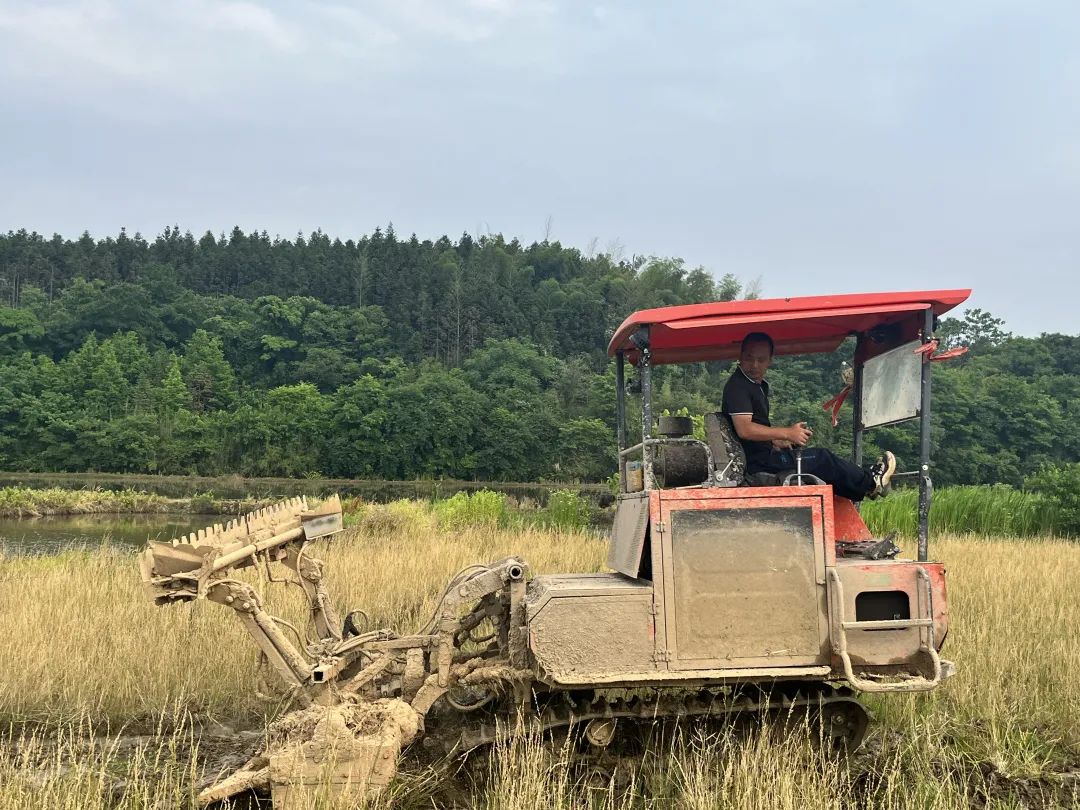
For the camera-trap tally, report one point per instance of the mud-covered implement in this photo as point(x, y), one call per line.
point(728, 597)
point(365, 693)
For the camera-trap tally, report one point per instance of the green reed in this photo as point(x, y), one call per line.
point(987, 510)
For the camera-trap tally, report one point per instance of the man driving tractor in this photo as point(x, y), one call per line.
point(771, 449)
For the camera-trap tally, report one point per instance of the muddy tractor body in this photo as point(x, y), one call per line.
point(727, 596)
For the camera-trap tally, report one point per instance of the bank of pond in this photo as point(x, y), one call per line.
point(52, 519)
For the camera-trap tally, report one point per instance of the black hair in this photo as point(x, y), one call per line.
point(758, 337)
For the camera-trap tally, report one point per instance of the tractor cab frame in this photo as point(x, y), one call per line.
point(880, 323)
point(757, 580)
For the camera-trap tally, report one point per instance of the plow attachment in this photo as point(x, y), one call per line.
point(185, 568)
point(364, 692)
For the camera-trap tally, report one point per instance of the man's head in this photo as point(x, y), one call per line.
point(756, 355)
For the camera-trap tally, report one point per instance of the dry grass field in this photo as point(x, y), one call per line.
point(103, 696)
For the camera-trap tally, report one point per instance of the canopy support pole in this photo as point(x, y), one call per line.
point(856, 403)
point(645, 369)
point(926, 486)
point(620, 415)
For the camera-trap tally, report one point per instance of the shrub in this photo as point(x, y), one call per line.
point(483, 508)
point(203, 503)
point(566, 509)
point(383, 520)
point(1061, 485)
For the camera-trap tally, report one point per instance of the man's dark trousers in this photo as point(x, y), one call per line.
point(847, 479)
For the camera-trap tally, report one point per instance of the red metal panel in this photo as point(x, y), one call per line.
point(816, 323)
point(849, 523)
point(900, 575)
point(828, 521)
point(709, 494)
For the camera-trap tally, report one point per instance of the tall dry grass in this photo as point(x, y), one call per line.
point(65, 767)
point(1014, 612)
point(82, 640)
point(82, 647)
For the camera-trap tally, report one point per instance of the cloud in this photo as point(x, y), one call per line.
point(253, 19)
point(352, 24)
point(441, 19)
point(513, 8)
point(467, 21)
point(52, 39)
point(203, 48)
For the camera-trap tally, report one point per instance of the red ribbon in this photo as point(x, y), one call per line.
point(928, 349)
point(835, 403)
point(950, 354)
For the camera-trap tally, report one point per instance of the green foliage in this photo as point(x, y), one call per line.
point(566, 509)
point(697, 420)
point(614, 483)
point(25, 502)
point(586, 449)
point(204, 503)
point(207, 374)
point(20, 329)
point(988, 510)
point(479, 359)
point(1061, 486)
point(483, 508)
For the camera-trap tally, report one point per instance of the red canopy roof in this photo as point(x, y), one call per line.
point(816, 323)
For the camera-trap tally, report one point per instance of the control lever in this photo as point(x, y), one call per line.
point(797, 476)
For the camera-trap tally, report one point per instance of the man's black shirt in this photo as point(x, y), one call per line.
point(744, 396)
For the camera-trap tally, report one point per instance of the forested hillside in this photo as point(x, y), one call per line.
point(476, 358)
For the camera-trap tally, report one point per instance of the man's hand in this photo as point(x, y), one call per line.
point(799, 434)
point(781, 444)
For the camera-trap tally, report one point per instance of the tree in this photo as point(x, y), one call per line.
point(20, 330)
point(210, 380)
point(586, 450)
point(978, 330)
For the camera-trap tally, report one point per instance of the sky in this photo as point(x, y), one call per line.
point(823, 146)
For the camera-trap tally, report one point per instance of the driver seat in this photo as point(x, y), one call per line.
point(729, 458)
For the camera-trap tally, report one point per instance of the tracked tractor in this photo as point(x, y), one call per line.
point(729, 595)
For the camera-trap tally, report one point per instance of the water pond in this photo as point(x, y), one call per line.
point(50, 535)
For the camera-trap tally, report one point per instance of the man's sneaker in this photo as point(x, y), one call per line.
point(882, 473)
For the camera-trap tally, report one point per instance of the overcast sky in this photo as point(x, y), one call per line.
point(821, 146)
